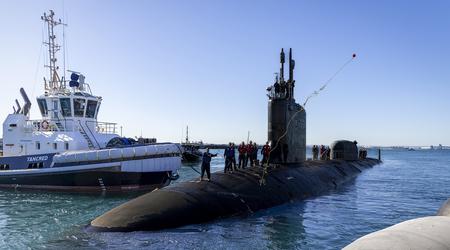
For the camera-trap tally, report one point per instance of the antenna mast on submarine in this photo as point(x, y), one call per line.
point(291, 81)
point(54, 82)
point(283, 89)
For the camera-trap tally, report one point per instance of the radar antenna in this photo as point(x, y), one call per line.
point(54, 83)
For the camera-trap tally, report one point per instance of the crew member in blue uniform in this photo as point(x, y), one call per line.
point(206, 164)
point(229, 155)
point(233, 156)
point(315, 151)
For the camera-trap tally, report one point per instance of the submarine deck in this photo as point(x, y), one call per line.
point(229, 194)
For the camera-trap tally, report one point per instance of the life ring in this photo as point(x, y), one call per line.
point(45, 125)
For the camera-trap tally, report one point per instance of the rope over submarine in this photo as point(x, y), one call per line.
point(287, 176)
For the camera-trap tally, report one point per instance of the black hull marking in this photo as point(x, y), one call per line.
point(88, 181)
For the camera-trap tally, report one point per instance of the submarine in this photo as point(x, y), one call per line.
point(287, 176)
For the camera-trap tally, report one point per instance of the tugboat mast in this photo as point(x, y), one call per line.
point(54, 83)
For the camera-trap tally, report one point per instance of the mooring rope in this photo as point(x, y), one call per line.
point(262, 181)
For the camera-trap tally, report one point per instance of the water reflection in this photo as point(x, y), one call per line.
point(286, 230)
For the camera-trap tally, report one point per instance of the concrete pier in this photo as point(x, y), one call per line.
point(432, 232)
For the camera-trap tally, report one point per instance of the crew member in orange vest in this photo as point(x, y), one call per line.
point(265, 152)
point(242, 149)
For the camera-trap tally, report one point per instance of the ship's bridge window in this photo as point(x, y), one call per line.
point(42, 106)
point(66, 108)
point(91, 107)
point(55, 109)
point(78, 107)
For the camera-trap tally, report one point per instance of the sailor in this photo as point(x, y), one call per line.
point(228, 158)
point(328, 150)
point(315, 150)
point(265, 152)
point(255, 154)
point(283, 89)
point(249, 154)
point(233, 156)
point(363, 153)
point(206, 164)
point(242, 149)
point(322, 152)
point(277, 89)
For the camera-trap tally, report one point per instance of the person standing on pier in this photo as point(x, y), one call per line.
point(206, 164)
point(242, 149)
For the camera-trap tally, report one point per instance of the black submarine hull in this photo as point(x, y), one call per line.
point(229, 194)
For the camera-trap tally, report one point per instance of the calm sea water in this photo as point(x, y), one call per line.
point(409, 184)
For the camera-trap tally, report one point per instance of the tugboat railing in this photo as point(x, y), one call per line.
point(68, 125)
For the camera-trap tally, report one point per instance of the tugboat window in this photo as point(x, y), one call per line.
point(78, 107)
point(55, 146)
point(66, 108)
point(42, 106)
point(66, 145)
point(38, 145)
point(90, 110)
point(55, 109)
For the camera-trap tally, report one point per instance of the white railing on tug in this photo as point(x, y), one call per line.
point(104, 127)
point(68, 125)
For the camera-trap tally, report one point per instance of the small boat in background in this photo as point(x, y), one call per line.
point(191, 150)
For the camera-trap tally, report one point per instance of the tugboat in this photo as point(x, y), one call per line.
point(69, 150)
point(191, 150)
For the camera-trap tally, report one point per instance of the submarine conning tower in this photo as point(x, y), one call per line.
point(286, 118)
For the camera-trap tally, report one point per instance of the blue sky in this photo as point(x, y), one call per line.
point(162, 65)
